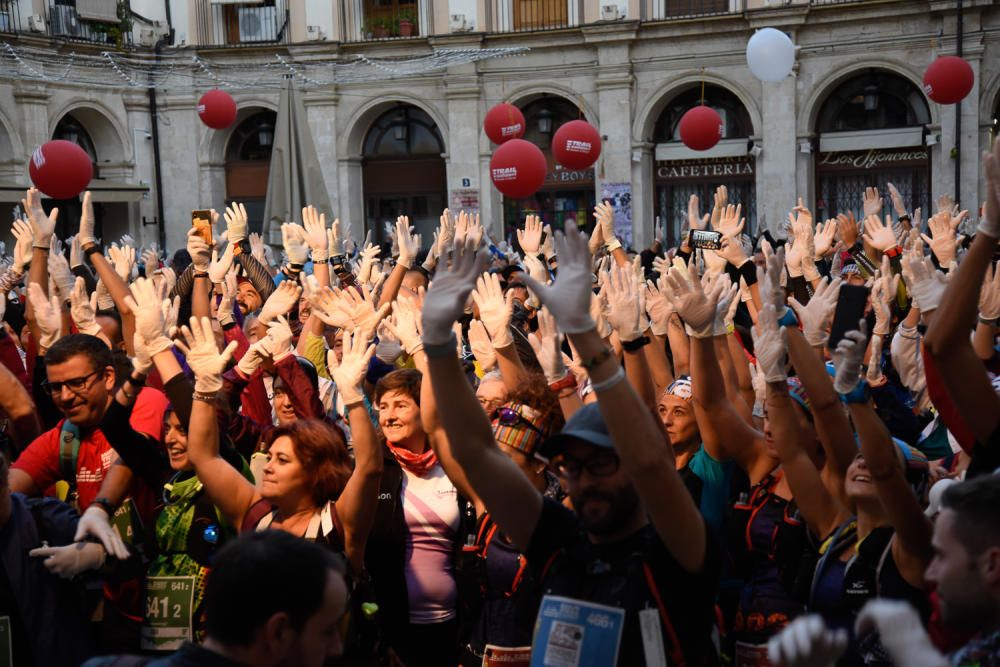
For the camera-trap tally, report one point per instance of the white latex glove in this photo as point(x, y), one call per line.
point(806, 642)
point(691, 301)
point(817, 315)
point(316, 234)
point(944, 238)
point(883, 293)
point(86, 233)
point(22, 247)
point(569, 297)
point(220, 266)
point(255, 356)
point(605, 215)
point(142, 360)
point(732, 251)
point(901, 633)
point(925, 283)
point(280, 334)
point(123, 259)
point(848, 357)
point(897, 200)
point(695, 220)
point(71, 560)
point(770, 345)
point(369, 256)
point(168, 277)
point(83, 308)
point(871, 202)
point(388, 349)
point(203, 355)
point(598, 306)
point(96, 523)
point(494, 309)
point(405, 324)
point(228, 287)
point(624, 311)
point(536, 269)
point(126, 241)
point(328, 305)
point(874, 374)
point(257, 248)
point(759, 382)
point(879, 234)
point(823, 239)
point(719, 203)
point(201, 254)
point(482, 345)
point(236, 222)
point(293, 239)
point(445, 302)
point(48, 315)
point(151, 310)
point(281, 301)
point(530, 238)
point(989, 296)
point(547, 248)
point(42, 225)
point(445, 234)
point(658, 305)
point(409, 243)
point(60, 274)
point(360, 307)
point(547, 343)
point(150, 258)
point(350, 374)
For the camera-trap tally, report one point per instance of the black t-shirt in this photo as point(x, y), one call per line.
point(614, 575)
point(20, 646)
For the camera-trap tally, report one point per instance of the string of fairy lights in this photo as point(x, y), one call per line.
point(111, 69)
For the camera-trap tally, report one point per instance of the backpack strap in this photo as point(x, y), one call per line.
point(256, 515)
point(69, 450)
point(676, 655)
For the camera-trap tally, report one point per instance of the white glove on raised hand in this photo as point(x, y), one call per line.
point(568, 298)
point(258, 249)
point(220, 266)
point(388, 349)
point(989, 224)
point(494, 309)
point(360, 307)
point(817, 315)
point(405, 323)
point(409, 243)
point(624, 310)
point(293, 239)
point(770, 345)
point(530, 238)
point(151, 309)
point(228, 287)
point(329, 306)
point(280, 334)
point(83, 308)
point(691, 301)
point(482, 346)
point(547, 343)
point(874, 374)
point(236, 222)
point(823, 239)
point(86, 233)
point(123, 259)
point(60, 274)
point(48, 315)
point(142, 360)
point(806, 642)
point(22, 247)
point(989, 296)
point(901, 633)
point(71, 560)
point(926, 283)
point(879, 234)
point(255, 356)
point(658, 306)
point(201, 253)
point(316, 234)
point(350, 374)
point(884, 287)
point(445, 302)
point(42, 225)
point(445, 234)
point(96, 523)
point(369, 256)
point(944, 239)
point(203, 355)
point(848, 358)
point(150, 258)
point(281, 301)
point(605, 215)
point(769, 278)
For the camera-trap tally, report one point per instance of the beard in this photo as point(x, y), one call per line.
point(620, 503)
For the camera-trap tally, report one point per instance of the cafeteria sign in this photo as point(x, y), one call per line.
point(721, 167)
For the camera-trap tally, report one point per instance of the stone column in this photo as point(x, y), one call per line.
point(777, 188)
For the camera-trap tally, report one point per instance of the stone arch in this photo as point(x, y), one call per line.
point(527, 94)
point(649, 112)
point(10, 141)
point(809, 110)
point(350, 144)
point(212, 148)
point(989, 100)
point(110, 136)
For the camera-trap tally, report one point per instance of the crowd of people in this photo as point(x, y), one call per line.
point(552, 451)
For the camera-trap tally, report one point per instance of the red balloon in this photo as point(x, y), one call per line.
point(217, 109)
point(576, 145)
point(948, 80)
point(701, 128)
point(503, 123)
point(518, 168)
point(60, 169)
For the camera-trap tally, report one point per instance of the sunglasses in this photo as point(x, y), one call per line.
point(75, 385)
point(511, 417)
point(600, 465)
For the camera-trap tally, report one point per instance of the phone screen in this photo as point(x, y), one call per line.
point(201, 219)
point(702, 238)
point(851, 303)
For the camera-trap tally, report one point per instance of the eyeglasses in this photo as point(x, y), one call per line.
point(75, 385)
point(599, 465)
point(511, 417)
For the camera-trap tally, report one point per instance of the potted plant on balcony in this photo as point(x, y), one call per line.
point(406, 23)
point(379, 28)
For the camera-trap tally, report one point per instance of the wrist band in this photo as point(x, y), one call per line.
point(597, 359)
point(136, 383)
point(991, 323)
point(441, 350)
point(35, 246)
point(788, 319)
point(893, 252)
point(565, 382)
point(207, 397)
point(92, 250)
point(635, 345)
point(613, 245)
point(106, 505)
point(615, 378)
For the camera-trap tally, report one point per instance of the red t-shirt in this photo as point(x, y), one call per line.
point(41, 458)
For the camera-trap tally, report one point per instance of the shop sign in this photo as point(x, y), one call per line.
point(873, 159)
point(722, 167)
point(569, 176)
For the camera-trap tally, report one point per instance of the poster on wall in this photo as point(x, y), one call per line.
point(619, 195)
point(465, 199)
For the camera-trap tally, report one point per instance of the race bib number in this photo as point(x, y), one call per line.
point(169, 602)
point(126, 521)
point(573, 633)
point(500, 656)
point(6, 643)
point(751, 655)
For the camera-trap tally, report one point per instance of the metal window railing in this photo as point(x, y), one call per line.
point(532, 15)
point(366, 21)
point(65, 23)
point(10, 18)
point(231, 24)
point(677, 9)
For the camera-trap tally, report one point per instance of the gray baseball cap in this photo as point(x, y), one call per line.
point(586, 425)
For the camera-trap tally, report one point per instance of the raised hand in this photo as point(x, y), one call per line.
point(22, 247)
point(446, 233)
point(925, 283)
point(123, 259)
point(220, 266)
point(848, 358)
point(60, 273)
point(482, 345)
point(847, 229)
point(695, 305)
point(151, 311)
point(806, 642)
point(201, 253)
point(897, 201)
point(817, 315)
point(203, 356)
point(900, 631)
point(360, 307)
point(989, 223)
point(658, 305)
point(719, 202)
point(228, 287)
point(530, 238)
point(83, 308)
point(605, 215)
point(769, 278)
point(823, 239)
point(48, 315)
point(42, 225)
point(405, 323)
point(494, 309)
point(989, 297)
point(568, 298)
point(871, 203)
point(257, 248)
point(86, 233)
point(280, 334)
point(293, 238)
point(150, 259)
point(624, 305)
point(281, 301)
point(770, 345)
point(944, 239)
point(236, 222)
point(547, 343)
point(409, 243)
point(445, 302)
point(878, 234)
point(695, 220)
point(316, 234)
point(874, 374)
point(349, 375)
point(883, 293)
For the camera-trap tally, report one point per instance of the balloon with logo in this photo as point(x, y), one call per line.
point(503, 123)
point(701, 128)
point(60, 169)
point(576, 144)
point(518, 168)
point(948, 80)
point(770, 54)
point(217, 109)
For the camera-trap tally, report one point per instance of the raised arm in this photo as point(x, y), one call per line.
point(409, 246)
point(495, 311)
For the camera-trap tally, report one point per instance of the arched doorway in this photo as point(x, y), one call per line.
point(680, 172)
point(69, 128)
point(248, 160)
point(403, 172)
point(871, 131)
point(567, 195)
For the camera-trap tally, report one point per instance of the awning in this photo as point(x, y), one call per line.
point(100, 191)
point(902, 137)
point(675, 150)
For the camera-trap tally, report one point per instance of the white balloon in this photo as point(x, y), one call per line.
point(770, 54)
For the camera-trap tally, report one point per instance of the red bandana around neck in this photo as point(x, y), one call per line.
point(418, 464)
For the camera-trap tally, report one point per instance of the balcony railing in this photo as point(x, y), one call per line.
point(531, 15)
point(677, 9)
point(65, 22)
point(10, 18)
point(366, 20)
point(244, 24)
